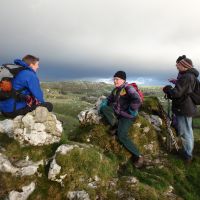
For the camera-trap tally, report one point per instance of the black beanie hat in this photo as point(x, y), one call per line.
point(120, 74)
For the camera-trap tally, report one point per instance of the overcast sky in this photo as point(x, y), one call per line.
point(81, 39)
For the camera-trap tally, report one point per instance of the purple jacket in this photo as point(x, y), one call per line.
point(125, 101)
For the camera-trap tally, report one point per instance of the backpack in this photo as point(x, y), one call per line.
point(195, 95)
point(138, 91)
point(7, 73)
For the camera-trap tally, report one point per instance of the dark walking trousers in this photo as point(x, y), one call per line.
point(123, 125)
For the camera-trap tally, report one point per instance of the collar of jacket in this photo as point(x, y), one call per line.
point(122, 86)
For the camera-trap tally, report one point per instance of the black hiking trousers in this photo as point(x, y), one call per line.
point(27, 109)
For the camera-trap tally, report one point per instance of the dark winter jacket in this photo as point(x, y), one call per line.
point(26, 79)
point(182, 103)
point(125, 101)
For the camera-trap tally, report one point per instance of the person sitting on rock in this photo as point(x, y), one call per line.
point(120, 110)
point(31, 94)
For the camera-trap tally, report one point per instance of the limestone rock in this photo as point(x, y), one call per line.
point(7, 126)
point(55, 169)
point(6, 166)
point(26, 191)
point(91, 116)
point(36, 128)
point(155, 120)
point(78, 195)
point(28, 121)
point(41, 114)
point(22, 168)
point(73, 160)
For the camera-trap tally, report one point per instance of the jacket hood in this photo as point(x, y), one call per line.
point(194, 71)
point(20, 62)
point(23, 64)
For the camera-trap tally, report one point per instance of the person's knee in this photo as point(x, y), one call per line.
point(103, 109)
point(122, 138)
point(49, 106)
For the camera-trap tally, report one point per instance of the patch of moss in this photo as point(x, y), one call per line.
point(9, 183)
point(14, 151)
point(85, 163)
point(151, 105)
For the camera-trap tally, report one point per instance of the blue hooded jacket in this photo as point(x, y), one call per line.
point(28, 80)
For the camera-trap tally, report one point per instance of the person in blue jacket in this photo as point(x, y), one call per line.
point(31, 94)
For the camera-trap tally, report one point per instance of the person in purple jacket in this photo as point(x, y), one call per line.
point(31, 94)
point(120, 110)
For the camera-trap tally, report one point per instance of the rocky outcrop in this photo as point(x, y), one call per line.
point(144, 133)
point(91, 116)
point(93, 165)
point(83, 161)
point(20, 168)
point(26, 191)
point(36, 128)
point(55, 169)
point(155, 120)
point(78, 195)
point(6, 126)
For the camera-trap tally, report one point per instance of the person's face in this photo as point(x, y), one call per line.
point(118, 81)
point(35, 66)
point(181, 68)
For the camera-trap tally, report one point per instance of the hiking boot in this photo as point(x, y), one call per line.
point(139, 163)
point(188, 161)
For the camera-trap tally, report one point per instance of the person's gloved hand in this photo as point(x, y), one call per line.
point(104, 103)
point(167, 88)
point(133, 112)
point(172, 80)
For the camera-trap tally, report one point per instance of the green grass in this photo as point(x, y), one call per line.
point(69, 100)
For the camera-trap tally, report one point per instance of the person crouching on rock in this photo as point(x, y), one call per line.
point(120, 110)
point(31, 94)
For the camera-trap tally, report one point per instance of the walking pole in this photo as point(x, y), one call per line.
point(171, 140)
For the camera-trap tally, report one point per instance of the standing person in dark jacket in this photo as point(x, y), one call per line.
point(182, 104)
point(120, 110)
point(31, 95)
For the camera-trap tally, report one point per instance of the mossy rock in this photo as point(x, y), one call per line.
point(99, 135)
point(151, 105)
point(82, 165)
point(14, 151)
point(143, 134)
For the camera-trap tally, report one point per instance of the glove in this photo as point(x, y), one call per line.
point(167, 88)
point(172, 80)
point(132, 112)
point(30, 101)
point(103, 104)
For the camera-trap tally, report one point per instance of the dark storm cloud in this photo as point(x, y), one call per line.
point(93, 38)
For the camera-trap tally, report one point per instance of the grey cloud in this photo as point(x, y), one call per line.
point(95, 37)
